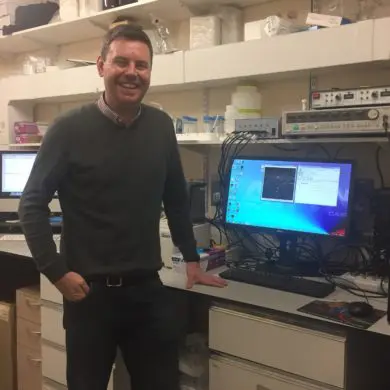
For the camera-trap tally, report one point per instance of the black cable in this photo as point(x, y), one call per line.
point(352, 290)
point(273, 245)
point(385, 119)
point(278, 147)
point(211, 222)
point(378, 166)
point(322, 147)
point(339, 149)
point(355, 250)
point(383, 287)
point(230, 149)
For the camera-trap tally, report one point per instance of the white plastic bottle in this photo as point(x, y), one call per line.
point(230, 119)
point(247, 101)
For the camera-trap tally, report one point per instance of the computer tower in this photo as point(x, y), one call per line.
point(197, 197)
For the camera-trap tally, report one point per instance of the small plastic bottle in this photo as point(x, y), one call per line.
point(190, 125)
point(230, 119)
point(220, 125)
point(208, 123)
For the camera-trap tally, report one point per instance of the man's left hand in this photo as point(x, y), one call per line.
point(195, 275)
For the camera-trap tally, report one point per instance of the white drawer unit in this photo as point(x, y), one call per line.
point(54, 368)
point(233, 374)
point(54, 363)
point(49, 292)
point(300, 351)
point(52, 326)
point(51, 385)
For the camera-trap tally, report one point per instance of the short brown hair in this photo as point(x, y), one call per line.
point(127, 32)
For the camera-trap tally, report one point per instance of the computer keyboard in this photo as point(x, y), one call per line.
point(20, 237)
point(275, 281)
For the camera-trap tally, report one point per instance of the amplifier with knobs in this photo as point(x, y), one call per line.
point(343, 98)
point(372, 121)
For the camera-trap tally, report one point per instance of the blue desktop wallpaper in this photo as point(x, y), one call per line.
point(316, 203)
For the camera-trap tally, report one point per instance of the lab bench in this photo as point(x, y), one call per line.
point(257, 338)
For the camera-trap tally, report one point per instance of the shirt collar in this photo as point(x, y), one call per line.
point(112, 115)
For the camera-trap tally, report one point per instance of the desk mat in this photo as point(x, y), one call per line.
point(337, 311)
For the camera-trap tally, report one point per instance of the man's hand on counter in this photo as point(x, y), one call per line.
point(73, 287)
point(195, 275)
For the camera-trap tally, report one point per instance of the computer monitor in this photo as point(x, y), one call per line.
point(15, 169)
point(290, 196)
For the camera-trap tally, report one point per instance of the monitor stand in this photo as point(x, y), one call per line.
point(288, 263)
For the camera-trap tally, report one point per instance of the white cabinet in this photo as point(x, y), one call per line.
point(282, 54)
point(168, 70)
point(233, 374)
point(85, 83)
point(56, 84)
point(380, 39)
point(300, 351)
point(54, 363)
point(51, 385)
point(54, 369)
point(49, 292)
point(52, 324)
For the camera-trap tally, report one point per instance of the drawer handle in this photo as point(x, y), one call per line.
point(35, 361)
point(33, 304)
point(35, 332)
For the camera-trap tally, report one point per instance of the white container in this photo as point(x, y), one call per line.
point(190, 125)
point(247, 102)
point(253, 30)
point(5, 20)
point(220, 125)
point(69, 10)
point(89, 7)
point(208, 123)
point(232, 24)
point(268, 27)
point(230, 119)
point(205, 31)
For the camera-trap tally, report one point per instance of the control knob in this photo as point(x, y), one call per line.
point(373, 114)
point(374, 94)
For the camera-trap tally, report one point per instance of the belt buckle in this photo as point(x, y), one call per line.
point(114, 281)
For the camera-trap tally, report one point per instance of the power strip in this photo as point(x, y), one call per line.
point(365, 283)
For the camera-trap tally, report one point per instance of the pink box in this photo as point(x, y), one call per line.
point(26, 128)
point(28, 138)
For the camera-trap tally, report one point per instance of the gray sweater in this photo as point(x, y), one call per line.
point(111, 181)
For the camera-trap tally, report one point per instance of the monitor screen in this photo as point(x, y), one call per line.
point(290, 195)
point(15, 171)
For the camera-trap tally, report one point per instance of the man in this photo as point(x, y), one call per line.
point(113, 163)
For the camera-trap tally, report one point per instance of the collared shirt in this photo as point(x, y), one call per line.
point(112, 115)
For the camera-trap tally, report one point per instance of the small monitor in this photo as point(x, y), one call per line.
point(15, 169)
point(292, 196)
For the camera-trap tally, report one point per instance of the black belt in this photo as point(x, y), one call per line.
point(122, 280)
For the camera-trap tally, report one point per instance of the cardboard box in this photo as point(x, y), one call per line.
point(326, 20)
point(7, 347)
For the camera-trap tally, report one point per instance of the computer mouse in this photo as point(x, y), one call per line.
point(359, 309)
